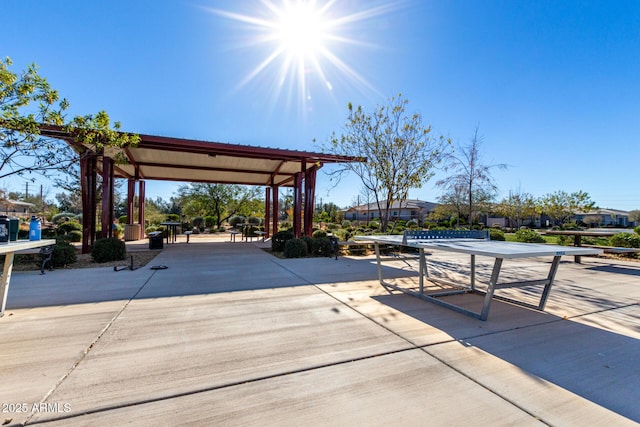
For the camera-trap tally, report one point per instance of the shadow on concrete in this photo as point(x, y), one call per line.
point(596, 364)
point(199, 268)
point(617, 269)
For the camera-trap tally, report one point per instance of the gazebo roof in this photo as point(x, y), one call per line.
point(189, 160)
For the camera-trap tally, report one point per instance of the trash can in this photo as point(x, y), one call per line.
point(14, 226)
point(155, 240)
point(131, 232)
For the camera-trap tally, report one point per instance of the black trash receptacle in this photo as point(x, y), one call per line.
point(155, 240)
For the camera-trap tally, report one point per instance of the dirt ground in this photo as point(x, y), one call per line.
point(140, 259)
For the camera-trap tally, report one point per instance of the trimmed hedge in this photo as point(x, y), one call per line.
point(63, 254)
point(319, 233)
point(295, 248)
point(70, 226)
point(279, 240)
point(497, 235)
point(106, 250)
point(527, 235)
point(625, 240)
point(322, 246)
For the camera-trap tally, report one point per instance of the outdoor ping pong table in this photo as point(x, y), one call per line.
point(423, 241)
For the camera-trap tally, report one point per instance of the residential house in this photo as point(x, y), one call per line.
point(16, 208)
point(405, 210)
point(605, 217)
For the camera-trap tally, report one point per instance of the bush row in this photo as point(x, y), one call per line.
point(318, 245)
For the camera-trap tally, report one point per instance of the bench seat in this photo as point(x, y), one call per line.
point(613, 249)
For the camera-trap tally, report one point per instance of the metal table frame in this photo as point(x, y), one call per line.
point(476, 247)
point(172, 230)
point(9, 249)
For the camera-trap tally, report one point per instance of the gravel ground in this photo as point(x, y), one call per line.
point(140, 258)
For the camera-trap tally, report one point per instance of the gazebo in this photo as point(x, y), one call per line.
point(187, 160)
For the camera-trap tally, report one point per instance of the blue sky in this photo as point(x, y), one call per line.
point(554, 87)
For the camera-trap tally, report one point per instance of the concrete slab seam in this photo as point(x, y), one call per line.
point(88, 349)
point(218, 387)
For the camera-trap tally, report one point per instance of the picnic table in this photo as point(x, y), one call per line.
point(474, 243)
point(172, 230)
point(578, 234)
point(9, 249)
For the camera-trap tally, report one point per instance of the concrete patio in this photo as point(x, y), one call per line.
point(229, 335)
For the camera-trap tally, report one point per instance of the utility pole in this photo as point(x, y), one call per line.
point(42, 200)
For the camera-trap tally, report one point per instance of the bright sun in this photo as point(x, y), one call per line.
point(301, 29)
point(301, 39)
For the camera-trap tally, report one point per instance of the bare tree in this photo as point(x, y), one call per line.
point(471, 176)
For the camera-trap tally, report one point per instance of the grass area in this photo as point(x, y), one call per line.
point(511, 237)
point(563, 240)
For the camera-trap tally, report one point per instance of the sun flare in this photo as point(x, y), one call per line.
point(301, 30)
point(300, 41)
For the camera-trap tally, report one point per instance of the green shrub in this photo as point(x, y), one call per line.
point(333, 226)
point(527, 235)
point(173, 217)
point(209, 221)
point(74, 236)
point(321, 246)
point(346, 224)
point(70, 226)
point(295, 248)
point(111, 249)
point(198, 222)
point(496, 235)
point(341, 234)
point(374, 225)
point(319, 233)
point(279, 240)
point(235, 220)
point(309, 241)
point(122, 219)
point(284, 226)
point(398, 229)
point(250, 231)
point(637, 229)
point(625, 240)
point(62, 217)
point(253, 220)
point(63, 254)
point(412, 223)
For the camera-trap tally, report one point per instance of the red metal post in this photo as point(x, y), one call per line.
point(141, 208)
point(131, 194)
point(107, 197)
point(88, 190)
point(309, 190)
point(276, 209)
point(297, 205)
point(267, 212)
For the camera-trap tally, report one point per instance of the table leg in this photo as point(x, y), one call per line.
point(377, 248)
point(550, 277)
point(421, 270)
point(6, 279)
point(492, 286)
point(577, 241)
point(473, 273)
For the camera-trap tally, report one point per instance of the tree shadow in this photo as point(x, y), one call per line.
point(597, 364)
